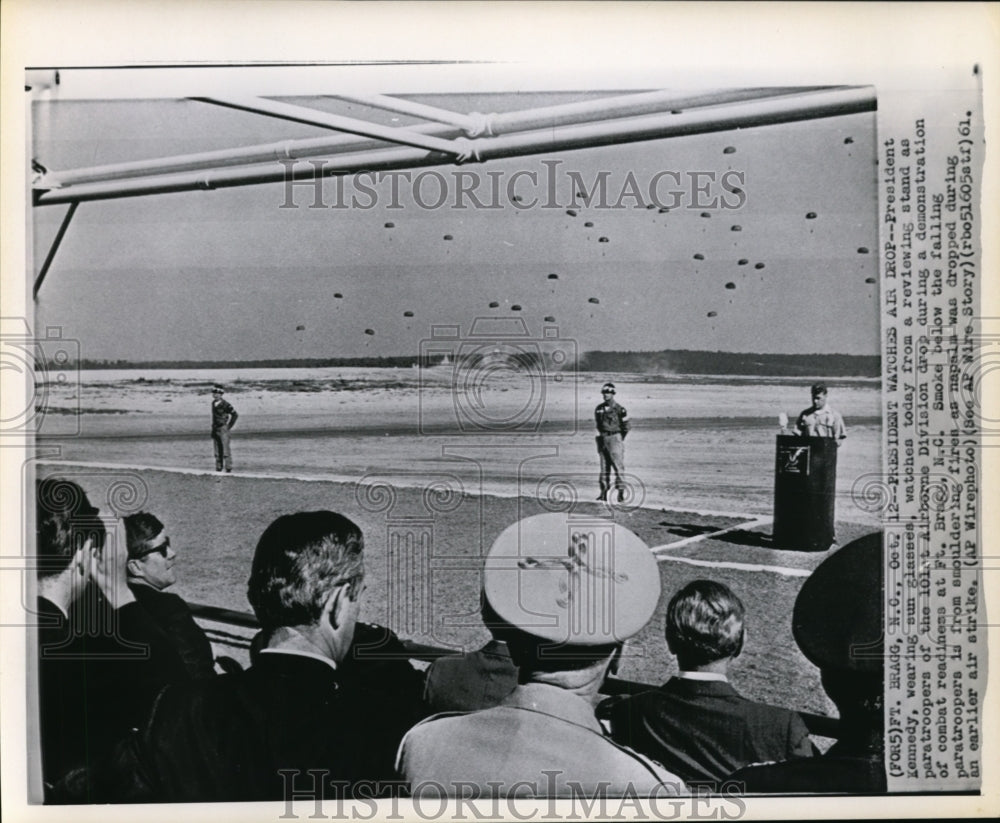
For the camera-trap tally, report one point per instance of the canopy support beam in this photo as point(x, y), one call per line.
point(55, 247)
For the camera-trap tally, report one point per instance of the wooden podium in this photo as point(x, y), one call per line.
point(805, 485)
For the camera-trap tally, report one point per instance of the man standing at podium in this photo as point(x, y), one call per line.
point(820, 420)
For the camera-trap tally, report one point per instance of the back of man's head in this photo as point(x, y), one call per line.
point(300, 558)
point(704, 624)
point(64, 521)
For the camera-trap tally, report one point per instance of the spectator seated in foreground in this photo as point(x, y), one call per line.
point(696, 724)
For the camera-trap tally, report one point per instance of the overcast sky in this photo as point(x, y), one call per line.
point(229, 274)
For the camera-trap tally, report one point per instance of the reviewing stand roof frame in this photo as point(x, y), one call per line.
point(450, 138)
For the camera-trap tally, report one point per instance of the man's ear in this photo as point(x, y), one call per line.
point(133, 568)
point(333, 606)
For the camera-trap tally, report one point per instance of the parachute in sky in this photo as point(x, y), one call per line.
point(593, 300)
point(730, 285)
point(699, 257)
point(369, 331)
point(407, 314)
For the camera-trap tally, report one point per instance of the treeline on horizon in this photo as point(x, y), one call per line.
point(670, 361)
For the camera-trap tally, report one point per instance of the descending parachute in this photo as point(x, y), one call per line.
point(706, 214)
point(699, 257)
point(448, 237)
point(736, 228)
point(730, 285)
point(602, 239)
point(589, 225)
point(571, 212)
point(370, 331)
point(593, 300)
point(390, 225)
point(300, 328)
point(494, 304)
point(863, 250)
point(759, 266)
point(811, 215)
point(516, 307)
point(407, 314)
point(729, 150)
point(742, 261)
point(549, 318)
point(553, 277)
point(712, 314)
point(869, 279)
point(338, 295)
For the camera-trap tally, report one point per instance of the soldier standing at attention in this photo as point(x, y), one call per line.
point(612, 426)
point(223, 419)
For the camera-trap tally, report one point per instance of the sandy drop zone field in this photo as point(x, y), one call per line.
point(432, 497)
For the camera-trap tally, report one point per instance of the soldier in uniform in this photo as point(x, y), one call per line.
point(223, 419)
point(571, 591)
point(820, 420)
point(612, 427)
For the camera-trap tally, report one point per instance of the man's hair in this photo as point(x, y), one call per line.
point(140, 528)
point(64, 521)
point(818, 388)
point(300, 558)
point(705, 623)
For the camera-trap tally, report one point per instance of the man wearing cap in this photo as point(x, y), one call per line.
point(837, 622)
point(571, 591)
point(612, 427)
point(150, 572)
point(223, 419)
point(697, 724)
point(820, 420)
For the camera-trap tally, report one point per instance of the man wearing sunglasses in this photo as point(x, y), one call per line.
point(150, 572)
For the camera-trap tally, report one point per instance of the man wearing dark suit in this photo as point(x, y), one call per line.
point(101, 659)
point(474, 680)
point(150, 568)
point(296, 723)
point(697, 724)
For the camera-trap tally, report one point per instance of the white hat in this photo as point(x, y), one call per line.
point(572, 579)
